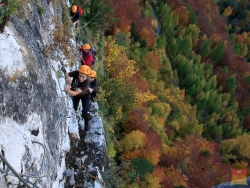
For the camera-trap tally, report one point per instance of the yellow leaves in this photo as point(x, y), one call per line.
point(112, 51)
point(152, 181)
point(244, 145)
point(175, 125)
point(216, 39)
point(182, 93)
point(145, 117)
point(165, 148)
point(154, 23)
point(244, 40)
point(132, 141)
point(123, 67)
point(156, 125)
point(119, 113)
point(111, 129)
point(239, 165)
point(116, 62)
point(128, 156)
point(183, 15)
point(125, 24)
point(144, 96)
point(177, 176)
point(173, 151)
point(199, 96)
point(163, 109)
point(215, 117)
point(189, 128)
point(111, 150)
point(241, 145)
point(152, 60)
point(228, 119)
point(152, 155)
point(228, 11)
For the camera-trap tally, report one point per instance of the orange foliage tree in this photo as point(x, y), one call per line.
point(152, 149)
point(197, 157)
point(128, 11)
point(141, 83)
point(174, 178)
point(146, 33)
point(151, 60)
point(138, 119)
point(183, 15)
point(159, 174)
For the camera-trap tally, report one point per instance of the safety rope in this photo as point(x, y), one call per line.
point(90, 20)
point(19, 176)
point(60, 115)
point(43, 156)
point(14, 171)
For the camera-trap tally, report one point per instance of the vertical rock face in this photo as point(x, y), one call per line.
point(31, 109)
point(87, 156)
point(29, 89)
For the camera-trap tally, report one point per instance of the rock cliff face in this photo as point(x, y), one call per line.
point(87, 157)
point(36, 117)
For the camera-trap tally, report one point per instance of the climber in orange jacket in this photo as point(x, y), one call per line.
point(79, 90)
point(87, 56)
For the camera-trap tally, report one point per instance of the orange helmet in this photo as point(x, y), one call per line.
point(85, 69)
point(74, 8)
point(86, 47)
point(92, 74)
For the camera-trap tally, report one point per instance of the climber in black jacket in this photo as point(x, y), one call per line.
point(93, 87)
point(79, 90)
point(75, 15)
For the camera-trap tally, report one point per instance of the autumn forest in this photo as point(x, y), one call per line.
point(174, 87)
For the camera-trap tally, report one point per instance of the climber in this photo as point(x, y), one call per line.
point(88, 55)
point(75, 14)
point(79, 90)
point(93, 87)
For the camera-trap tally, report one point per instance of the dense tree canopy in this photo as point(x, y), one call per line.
point(181, 100)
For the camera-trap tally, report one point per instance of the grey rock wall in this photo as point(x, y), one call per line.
point(87, 156)
point(36, 89)
point(33, 90)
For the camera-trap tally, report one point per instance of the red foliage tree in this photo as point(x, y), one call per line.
point(137, 120)
point(142, 85)
point(183, 15)
point(128, 11)
point(152, 148)
point(199, 160)
point(152, 60)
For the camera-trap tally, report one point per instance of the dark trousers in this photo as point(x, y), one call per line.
point(93, 94)
point(86, 102)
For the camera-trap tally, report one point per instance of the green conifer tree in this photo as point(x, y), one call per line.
point(218, 51)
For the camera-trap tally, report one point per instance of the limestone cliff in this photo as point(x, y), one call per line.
point(39, 131)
